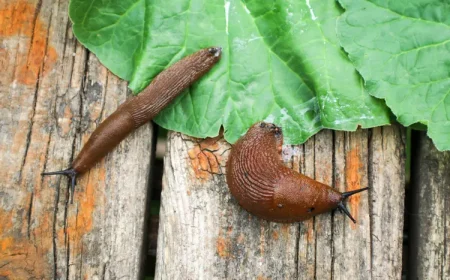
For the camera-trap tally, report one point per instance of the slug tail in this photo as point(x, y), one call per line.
point(70, 172)
point(343, 208)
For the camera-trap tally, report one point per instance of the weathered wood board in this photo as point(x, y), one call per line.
point(204, 234)
point(430, 212)
point(53, 94)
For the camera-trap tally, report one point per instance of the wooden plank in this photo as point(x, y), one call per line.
point(387, 182)
point(53, 95)
point(204, 234)
point(429, 214)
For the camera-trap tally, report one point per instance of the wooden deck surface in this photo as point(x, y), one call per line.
point(204, 234)
point(54, 93)
point(429, 214)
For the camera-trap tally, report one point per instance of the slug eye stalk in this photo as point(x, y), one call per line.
point(71, 173)
point(343, 208)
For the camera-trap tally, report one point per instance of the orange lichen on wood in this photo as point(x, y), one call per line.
point(20, 258)
point(275, 235)
point(66, 121)
point(206, 157)
point(310, 232)
point(204, 161)
point(223, 244)
point(223, 247)
point(353, 178)
point(18, 141)
point(18, 19)
point(81, 222)
point(285, 231)
point(25, 229)
point(262, 241)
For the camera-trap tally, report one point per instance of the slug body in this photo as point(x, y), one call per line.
point(265, 187)
point(136, 111)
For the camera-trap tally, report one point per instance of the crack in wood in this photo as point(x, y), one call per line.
point(67, 256)
point(30, 127)
point(314, 218)
point(104, 271)
point(333, 184)
point(371, 210)
point(72, 56)
point(81, 259)
point(5, 264)
point(29, 213)
point(102, 108)
point(297, 251)
point(210, 163)
point(67, 193)
point(35, 19)
point(54, 233)
point(82, 93)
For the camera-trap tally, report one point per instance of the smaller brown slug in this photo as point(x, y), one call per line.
point(265, 187)
point(139, 110)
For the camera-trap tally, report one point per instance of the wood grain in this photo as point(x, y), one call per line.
point(204, 234)
point(53, 94)
point(429, 215)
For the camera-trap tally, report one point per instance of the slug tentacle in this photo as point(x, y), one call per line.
point(71, 173)
point(350, 193)
point(265, 187)
point(343, 208)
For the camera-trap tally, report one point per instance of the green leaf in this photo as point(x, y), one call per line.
point(281, 62)
point(401, 48)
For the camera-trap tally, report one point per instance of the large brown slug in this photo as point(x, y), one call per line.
point(265, 187)
point(140, 109)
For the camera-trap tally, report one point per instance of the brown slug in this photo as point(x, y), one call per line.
point(138, 110)
point(265, 187)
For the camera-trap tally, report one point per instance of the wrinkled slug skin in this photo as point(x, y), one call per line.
point(265, 187)
point(138, 110)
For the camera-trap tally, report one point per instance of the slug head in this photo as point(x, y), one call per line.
point(269, 128)
point(216, 51)
point(195, 65)
point(211, 55)
point(269, 132)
